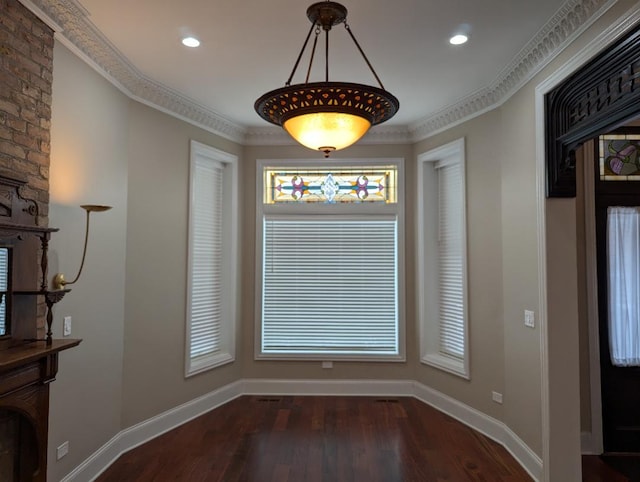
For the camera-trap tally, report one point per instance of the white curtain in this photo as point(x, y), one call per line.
point(623, 233)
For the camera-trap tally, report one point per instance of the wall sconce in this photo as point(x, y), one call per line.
point(59, 282)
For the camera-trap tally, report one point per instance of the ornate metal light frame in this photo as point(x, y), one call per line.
point(372, 105)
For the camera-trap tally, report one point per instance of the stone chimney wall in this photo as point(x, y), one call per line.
point(26, 74)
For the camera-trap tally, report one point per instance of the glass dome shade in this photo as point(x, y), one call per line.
point(327, 131)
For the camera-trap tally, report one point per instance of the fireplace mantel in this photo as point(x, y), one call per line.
point(28, 355)
point(25, 374)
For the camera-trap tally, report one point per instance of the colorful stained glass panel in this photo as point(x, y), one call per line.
point(619, 157)
point(340, 185)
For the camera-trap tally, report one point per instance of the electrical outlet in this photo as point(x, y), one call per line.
point(327, 364)
point(66, 326)
point(62, 450)
point(529, 319)
point(496, 397)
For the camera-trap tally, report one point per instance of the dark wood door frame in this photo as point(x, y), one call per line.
point(597, 98)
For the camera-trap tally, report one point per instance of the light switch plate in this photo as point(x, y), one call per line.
point(66, 326)
point(529, 319)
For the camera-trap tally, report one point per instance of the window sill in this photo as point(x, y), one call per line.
point(208, 363)
point(329, 357)
point(447, 364)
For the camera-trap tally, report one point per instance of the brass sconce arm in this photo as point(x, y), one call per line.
point(59, 282)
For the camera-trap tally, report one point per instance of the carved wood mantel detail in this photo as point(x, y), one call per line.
point(28, 362)
point(599, 97)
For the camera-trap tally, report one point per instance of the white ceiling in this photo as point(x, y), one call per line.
point(249, 47)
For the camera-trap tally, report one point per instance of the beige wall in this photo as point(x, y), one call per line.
point(107, 149)
point(131, 315)
point(154, 334)
point(484, 242)
point(523, 364)
point(88, 166)
point(563, 336)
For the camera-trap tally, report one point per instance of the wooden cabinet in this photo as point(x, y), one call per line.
point(28, 352)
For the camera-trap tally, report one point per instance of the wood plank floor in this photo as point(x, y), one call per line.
point(595, 469)
point(295, 439)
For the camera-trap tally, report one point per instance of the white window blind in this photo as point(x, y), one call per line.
point(330, 285)
point(211, 303)
point(206, 259)
point(442, 258)
point(451, 262)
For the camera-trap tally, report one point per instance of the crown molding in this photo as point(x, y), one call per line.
point(573, 17)
point(73, 27)
point(78, 32)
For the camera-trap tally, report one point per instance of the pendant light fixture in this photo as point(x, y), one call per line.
point(327, 116)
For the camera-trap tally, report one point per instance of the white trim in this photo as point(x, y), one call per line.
point(542, 275)
point(595, 444)
point(371, 388)
point(597, 45)
point(483, 423)
point(449, 364)
point(212, 153)
point(202, 154)
point(616, 30)
point(450, 153)
point(571, 19)
point(345, 209)
point(589, 444)
point(140, 433)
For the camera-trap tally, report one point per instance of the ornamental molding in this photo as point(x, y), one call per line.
point(574, 17)
point(79, 34)
point(83, 38)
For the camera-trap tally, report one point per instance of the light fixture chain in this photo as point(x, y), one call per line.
point(304, 46)
point(346, 26)
point(313, 53)
point(327, 115)
point(326, 57)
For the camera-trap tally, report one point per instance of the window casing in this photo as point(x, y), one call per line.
point(442, 259)
point(212, 259)
point(329, 275)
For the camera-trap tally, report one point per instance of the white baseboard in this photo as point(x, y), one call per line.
point(588, 444)
point(149, 429)
point(489, 426)
point(155, 426)
point(398, 388)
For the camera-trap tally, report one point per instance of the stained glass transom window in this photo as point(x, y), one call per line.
point(340, 185)
point(619, 157)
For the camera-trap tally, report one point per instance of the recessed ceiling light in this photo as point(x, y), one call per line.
point(191, 42)
point(458, 39)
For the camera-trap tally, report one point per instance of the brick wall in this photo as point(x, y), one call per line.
point(26, 66)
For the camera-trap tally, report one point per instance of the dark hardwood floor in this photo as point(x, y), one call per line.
point(328, 439)
point(624, 468)
point(295, 439)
